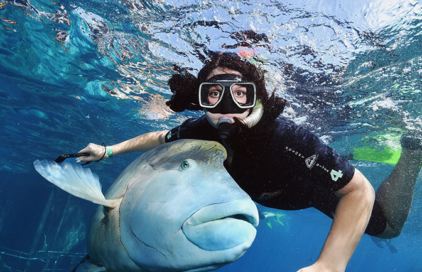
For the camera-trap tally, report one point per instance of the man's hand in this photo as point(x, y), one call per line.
point(97, 153)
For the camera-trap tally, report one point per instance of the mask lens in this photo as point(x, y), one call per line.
point(243, 94)
point(210, 94)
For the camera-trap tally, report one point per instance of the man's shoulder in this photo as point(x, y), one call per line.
point(288, 128)
point(192, 122)
point(192, 128)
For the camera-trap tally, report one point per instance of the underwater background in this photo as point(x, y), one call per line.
point(75, 72)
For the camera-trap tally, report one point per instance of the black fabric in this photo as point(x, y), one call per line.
point(284, 166)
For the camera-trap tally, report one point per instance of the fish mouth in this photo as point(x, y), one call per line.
point(223, 226)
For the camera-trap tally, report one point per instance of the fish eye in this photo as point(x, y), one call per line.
point(185, 165)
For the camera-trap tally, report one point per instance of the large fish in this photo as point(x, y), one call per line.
point(175, 208)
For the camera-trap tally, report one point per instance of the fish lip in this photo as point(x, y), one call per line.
point(241, 209)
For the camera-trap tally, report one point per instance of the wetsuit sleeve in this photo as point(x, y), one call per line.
point(180, 132)
point(314, 162)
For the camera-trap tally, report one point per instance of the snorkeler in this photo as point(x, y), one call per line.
point(278, 163)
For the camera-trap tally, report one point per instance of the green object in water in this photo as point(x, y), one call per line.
point(279, 221)
point(268, 223)
point(388, 155)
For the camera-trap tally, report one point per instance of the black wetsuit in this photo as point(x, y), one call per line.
point(282, 165)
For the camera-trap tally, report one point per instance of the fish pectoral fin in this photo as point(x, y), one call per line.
point(75, 180)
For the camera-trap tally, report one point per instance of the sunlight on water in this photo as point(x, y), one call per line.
point(129, 49)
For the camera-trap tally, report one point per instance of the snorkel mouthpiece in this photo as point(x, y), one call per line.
point(226, 127)
point(255, 115)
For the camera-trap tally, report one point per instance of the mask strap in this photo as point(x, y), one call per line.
point(255, 116)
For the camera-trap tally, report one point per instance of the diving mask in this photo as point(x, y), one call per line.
point(227, 93)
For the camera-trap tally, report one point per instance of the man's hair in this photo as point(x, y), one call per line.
point(185, 86)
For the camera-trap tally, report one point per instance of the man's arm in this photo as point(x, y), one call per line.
point(140, 143)
point(350, 221)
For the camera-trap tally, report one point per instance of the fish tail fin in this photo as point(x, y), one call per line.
point(75, 180)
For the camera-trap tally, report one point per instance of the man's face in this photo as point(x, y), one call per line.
point(213, 118)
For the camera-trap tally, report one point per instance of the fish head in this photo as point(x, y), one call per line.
point(185, 212)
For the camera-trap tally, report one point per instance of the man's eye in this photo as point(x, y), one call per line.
point(239, 93)
point(214, 94)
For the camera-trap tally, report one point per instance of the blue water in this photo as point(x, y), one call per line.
point(74, 72)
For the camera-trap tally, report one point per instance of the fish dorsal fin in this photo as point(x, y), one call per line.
point(75, 180)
